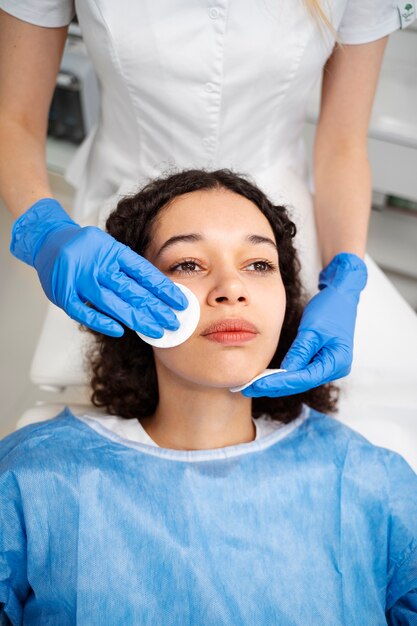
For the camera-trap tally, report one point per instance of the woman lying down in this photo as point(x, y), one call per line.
point(182, 503)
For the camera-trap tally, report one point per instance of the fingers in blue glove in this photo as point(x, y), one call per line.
point(304, 347)
point(329, 363)
point(142, 320)
point(147, 275)
point(139, 298)
point(287, 383)
point(84, 314)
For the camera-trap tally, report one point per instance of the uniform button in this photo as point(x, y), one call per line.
point(210, 87)
point(214, 13)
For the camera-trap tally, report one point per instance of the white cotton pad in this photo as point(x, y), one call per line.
point(263, 374)
point(188, 320)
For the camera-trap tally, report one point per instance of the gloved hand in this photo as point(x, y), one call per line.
point(78, 265)
point(322, 350)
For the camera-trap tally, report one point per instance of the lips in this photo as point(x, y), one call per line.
point(231, 332)
point(230, 326)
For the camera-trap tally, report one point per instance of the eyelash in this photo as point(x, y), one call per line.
point(270, 267)
point(174, 268)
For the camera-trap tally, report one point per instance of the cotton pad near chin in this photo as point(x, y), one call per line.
point(263, 374)
point(188, 320)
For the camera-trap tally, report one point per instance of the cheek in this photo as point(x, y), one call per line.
point(180, 360)
point(273, 316)
point(272, 302)
point(280, 307)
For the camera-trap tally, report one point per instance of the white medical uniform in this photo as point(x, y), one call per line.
point(225, 83)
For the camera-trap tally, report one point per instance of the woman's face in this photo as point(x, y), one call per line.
point(224, 251)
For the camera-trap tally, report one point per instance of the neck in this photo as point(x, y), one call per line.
point(192, 417)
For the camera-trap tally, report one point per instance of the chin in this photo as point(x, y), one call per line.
point(219, 369)
point(225, 379)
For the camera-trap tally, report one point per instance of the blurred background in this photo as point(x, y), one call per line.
point(74, 109)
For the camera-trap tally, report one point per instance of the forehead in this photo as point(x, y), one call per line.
point(212, 213)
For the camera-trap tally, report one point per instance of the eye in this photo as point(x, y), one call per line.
point(262, 266)
point(188, 266)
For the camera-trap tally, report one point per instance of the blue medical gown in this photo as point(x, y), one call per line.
point(311, 524)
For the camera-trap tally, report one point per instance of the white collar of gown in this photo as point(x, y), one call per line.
point(133, 430)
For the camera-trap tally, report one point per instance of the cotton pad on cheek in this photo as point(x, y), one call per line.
point(263, 374)
point(188, 320)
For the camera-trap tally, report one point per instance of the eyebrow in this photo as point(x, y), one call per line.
point(192, 237)
point(176, 239)
point(259, 239)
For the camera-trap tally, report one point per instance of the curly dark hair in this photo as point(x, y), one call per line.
point(123, 374)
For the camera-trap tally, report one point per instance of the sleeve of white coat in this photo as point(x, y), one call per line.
point(14, 586)
point(367, 20)
point(49, 13)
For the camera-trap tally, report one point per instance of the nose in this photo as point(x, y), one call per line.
point(228, 289)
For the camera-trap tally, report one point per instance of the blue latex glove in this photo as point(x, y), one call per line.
point(322, 350)
point(78, 265)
